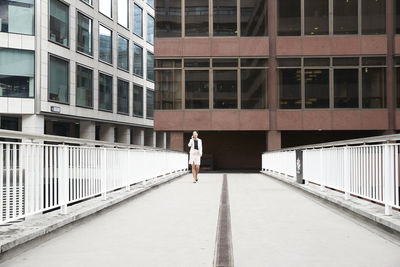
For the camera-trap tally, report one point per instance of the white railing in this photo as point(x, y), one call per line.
point(369, 171)
point(38, 177)
point(283, 162)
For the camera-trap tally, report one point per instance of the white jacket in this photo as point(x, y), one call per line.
point(200, 145)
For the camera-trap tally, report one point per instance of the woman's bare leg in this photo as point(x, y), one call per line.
point(197, 167)
point(194, 172)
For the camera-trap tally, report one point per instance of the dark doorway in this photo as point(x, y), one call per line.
point(231, 150)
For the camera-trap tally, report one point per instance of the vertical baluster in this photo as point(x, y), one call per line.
point(1, 181)
point(396, 174)
point(7, 181)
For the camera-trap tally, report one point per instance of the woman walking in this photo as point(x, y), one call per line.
point(196, 151)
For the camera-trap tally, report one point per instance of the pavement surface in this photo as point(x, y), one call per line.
point(175, 224)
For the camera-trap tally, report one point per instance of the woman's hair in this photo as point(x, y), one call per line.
point(196, 131)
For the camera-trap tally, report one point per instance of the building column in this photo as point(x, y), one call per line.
point(176, 141)
point(124, 134)
point(391, 93)
point(137, 136)
point(274, 140)
point(107, 133)
point(32, 124)
point(87, 130)
point(161, 139)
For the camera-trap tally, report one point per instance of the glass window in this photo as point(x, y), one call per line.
point(89, 2)
point(123, 97)
point(197, 63)
point(17, 73)
point(196, 89)
point(59, 23)
point(137, 60)
point(58, 80)
point(316, 17)
point(289, 17)
point(254, 62)
point(289, 88)
point(397, 18)
point(105, 7)
point(345, 16)
point(137, 100)
point(373, 16)
point(168, 18)
point(373, 87)
point(150, 66)
point(346, 88)
point(168, 89)
point(123, 13)
point(168, 63)
point(253, 88)
point(317, 88)
point(346, 61)
point(149, 104)
point(17, 16)
point(150, 29)
point(225, 62)
point(105, 92)
point(398, 85)
point(150, 3)
point(317, 62)
point(225, 17)
point(254, 17)
point(225, 89)
point(123, 53)
point(84, 87)
point(196, 18)
point(84, 34)
point(105, 44)
point(137, 20)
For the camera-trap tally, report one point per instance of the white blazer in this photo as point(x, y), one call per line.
point(191, 145)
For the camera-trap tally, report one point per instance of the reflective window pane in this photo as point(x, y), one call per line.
point(17, 16)
point(105, 92)
point(84, 87)
point(346, 61)
point(58, 80)
point(289, 88)
point(17, 73)
point(316, 17)
point(345, 16)
point(123, 53)
point(137, 100)
point(225, 62)
point(197, 62)
point(123, 97)
point(373, 87)
point(168, 89)
point(137, 20)
point(150, 29)
point(314, 62)
point(123, 14)
point(89, 2)
point(59, 23)
point(289, 62)
point(149, 104)
point(151, 3)
point(168, 18)
point(105, 7)
point(137, 60)
point(84, 34)
point(398, 86)
point(317, 88)
point(225, 17)
point(254, 62)
point(150, 66)
point(346, 88)
point(253, 88)
point(254, 17)
point(289, 17)
point(225, 89)
point(196, 17)
point(373, 16)
point(105, 44)
point(196, 89)
point(168, 63)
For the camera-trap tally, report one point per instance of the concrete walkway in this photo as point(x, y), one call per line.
point(175, 225)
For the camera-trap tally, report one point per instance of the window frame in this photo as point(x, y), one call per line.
point(78, 12)
point(68, 79)
point(129, 88)
point(112, 92)
point(112, 46)
point(76, 87)
point(68, 46)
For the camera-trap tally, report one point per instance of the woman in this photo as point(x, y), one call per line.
point(196, 151)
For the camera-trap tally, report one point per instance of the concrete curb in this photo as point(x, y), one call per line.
point(367, 210)
point(17, 234)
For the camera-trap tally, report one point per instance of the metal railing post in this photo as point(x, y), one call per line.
point(126, 170)
point(346, 170)
point(321, 170)
point(103, 181)
point(63, 165)
point(388, 178)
